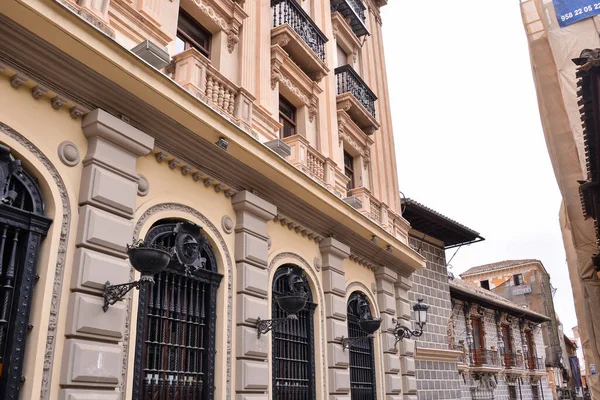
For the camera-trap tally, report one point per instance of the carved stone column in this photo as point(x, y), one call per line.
point(92, 357)
point(334, 286)
point(251, 257)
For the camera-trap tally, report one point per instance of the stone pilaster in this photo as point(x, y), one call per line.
point(334, 286)
point(251, 257)
point(407, 347)
point(92, 356)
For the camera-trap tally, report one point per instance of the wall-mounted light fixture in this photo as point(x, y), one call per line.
point(291, 301)
point(369, 326)
point(222, 143)
point(401, 331)
point(148, 259)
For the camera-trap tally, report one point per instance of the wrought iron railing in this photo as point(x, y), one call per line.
point(535, 363)
point(354, 11)
point(485, 357)
point(513, 360)
point(349, 81)
point(289, 12)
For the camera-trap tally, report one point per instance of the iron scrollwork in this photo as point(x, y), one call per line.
point(291, 301)
point(359, 306)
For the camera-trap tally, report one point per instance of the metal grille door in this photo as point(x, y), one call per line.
point(293, 349)
point(362, 364)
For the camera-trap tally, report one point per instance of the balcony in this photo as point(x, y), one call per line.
point(513, 361)
point(300, 37)
point(195, 73)
point(535, 363)
point(485, 359)
point(306, 158)
point(355, 98)
point(354, 12)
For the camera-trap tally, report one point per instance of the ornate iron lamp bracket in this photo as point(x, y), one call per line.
point(403, 332)
point(346, 342)
point(114, 293)
point(266, 325)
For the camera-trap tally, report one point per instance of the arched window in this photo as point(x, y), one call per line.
point(293, 342)
point(22, 227)
point(362, 359)
point(175, 348)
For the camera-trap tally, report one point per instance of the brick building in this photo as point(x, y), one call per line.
point(430, 235)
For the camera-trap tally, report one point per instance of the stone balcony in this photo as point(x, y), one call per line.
point(356, 99)
point(299, 36)
point(195, 73)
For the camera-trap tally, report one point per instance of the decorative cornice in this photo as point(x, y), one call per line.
point(424, 353)
point(364, 262)
point(298, 228)
point(195, 173)
point(228, 17)
point(18, 80)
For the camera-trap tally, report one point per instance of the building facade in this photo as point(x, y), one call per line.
point(430, 235)
point(552, 49)
point(251, 143)
point(502, 345)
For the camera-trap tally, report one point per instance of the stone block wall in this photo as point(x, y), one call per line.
point(436, 380)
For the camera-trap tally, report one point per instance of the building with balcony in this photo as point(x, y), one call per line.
point(199, 199)
point(501, 345)
point(567, 101)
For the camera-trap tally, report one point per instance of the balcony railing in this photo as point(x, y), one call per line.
point(480, 358)
point(513, 361)
point(348, 81)
point(198, 76)
point(535, 363)
point(306, 158)
point(354, 11)
point(289, 12)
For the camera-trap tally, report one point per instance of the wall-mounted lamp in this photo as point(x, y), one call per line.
point(291, 302)
point(148, 259)
point(469, 340)
point(500, 346)
point(401, 331)
point(222, 143)
point(369, 326)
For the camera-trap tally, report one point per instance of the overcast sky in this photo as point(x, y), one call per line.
point(469, 141)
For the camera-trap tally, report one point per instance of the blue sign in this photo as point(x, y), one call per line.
point(570, 11)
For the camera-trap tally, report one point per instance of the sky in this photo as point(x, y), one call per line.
point(468, 136)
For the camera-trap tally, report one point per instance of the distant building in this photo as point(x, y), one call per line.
point(527, 284)
point(501, 345)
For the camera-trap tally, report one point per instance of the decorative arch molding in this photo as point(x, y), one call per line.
point(215, 235)
point(61, 256)
point(286, 257)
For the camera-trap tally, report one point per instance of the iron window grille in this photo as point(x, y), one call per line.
point(293, 343)
point(535, 392)
point(362, 355)
point(22, 228)
point(175, 347)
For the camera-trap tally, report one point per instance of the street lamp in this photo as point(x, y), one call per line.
point(148, 259)
point(500, 345)
point(402, 331)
